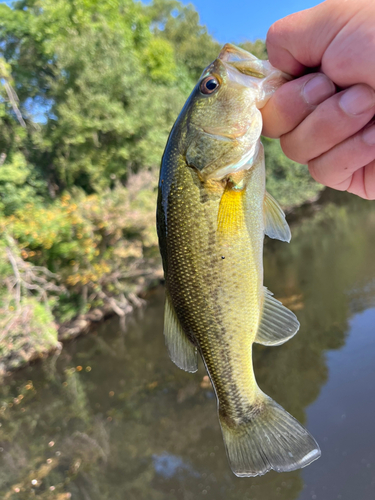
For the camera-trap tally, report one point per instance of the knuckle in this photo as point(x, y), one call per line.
point(272, 37)
point(323, 174)
point(332, 66)
point(314, 172)
point(369, 181)
point(326, 177)
point(271, 120)
point(276, 40)
point(288, 145)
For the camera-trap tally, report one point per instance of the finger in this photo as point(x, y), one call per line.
point(338, 167)
point(337, 38)
point(363, 182)
point(293, 101)
point(333, 121)
point(349, 59)
point(300, 40)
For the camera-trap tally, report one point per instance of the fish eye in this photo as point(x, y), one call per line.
point(209, 85)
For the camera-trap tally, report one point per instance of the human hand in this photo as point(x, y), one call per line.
point(331, 132)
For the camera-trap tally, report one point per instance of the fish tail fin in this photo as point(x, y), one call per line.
point(267, 438)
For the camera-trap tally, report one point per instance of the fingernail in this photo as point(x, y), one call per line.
point(318, 89)
point(357, 100)
point(368, 135)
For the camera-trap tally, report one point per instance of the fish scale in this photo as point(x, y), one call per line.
point(213, 212)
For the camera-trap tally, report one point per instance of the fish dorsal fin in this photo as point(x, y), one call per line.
point(275, 225)
point(181, 351)
point(277, 324)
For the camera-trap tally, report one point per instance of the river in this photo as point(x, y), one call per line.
point(113, 418)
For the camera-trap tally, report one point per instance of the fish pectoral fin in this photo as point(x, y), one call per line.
point(181, 351)
point(277, 323)
point(275, 225)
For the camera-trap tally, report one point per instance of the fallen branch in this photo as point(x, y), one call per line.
point(30, 278)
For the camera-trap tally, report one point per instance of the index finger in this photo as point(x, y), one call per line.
point(293, 102)
point(299, 41)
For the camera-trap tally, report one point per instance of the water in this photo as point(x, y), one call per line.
point(113, 418)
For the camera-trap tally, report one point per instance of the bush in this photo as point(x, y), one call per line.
point(289, 182)
point(102, 247)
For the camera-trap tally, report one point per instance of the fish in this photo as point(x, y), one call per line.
point(213, 212)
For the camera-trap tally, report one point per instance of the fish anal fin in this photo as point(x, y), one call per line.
point(181, 351)
point(277, 324)
point(275, 224)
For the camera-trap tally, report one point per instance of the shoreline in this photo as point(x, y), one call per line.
point(84, 323)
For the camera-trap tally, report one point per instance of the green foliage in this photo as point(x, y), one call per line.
point(96, 243)
point(179, 24)
point(110, 117)
point(27, 332)
point(159, 61)
point(19, 183)
point(27, 328)
point(107, 85)
point(288, 181)
point(258, 48)
point(19, 180)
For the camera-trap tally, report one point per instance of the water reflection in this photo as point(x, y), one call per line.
point(167, 466)
point(347, 404)
point(113, 418)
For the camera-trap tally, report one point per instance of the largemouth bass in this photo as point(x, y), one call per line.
point(213, 212)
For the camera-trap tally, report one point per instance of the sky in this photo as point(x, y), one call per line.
point(239, 20)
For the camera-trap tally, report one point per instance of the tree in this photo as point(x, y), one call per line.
point(106, 84)
point(179, 24)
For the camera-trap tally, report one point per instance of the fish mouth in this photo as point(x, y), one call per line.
point(243, 61)
point(247, 70)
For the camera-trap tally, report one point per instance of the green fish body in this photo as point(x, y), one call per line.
point(213, 212)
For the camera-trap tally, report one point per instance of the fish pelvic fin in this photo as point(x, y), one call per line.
point(275, 224)
point(267, 438)
point(277, 323)
point(181, 351)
